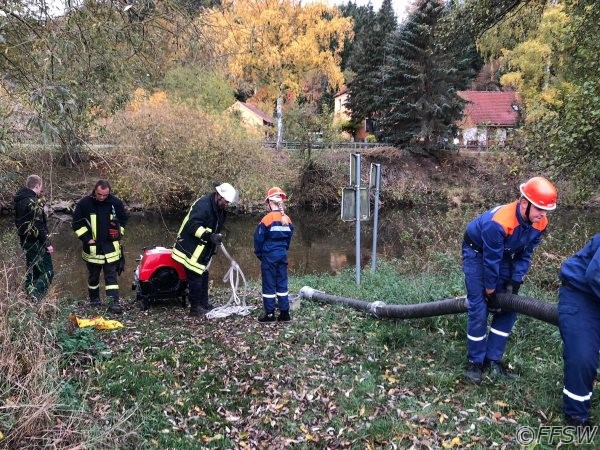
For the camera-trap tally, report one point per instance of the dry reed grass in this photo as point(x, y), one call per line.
point(32, 372)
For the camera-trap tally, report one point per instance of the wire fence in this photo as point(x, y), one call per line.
point(299, 145)
point(288, 145)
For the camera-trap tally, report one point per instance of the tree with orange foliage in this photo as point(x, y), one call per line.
point(278, 43)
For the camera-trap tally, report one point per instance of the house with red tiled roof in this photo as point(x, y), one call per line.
point(488, 117)
point(253, 119)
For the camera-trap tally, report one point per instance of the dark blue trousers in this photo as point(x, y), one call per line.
point(197, 288)
point(274, 285)
point(480, 344)
point(111, 280)
point(579, 323)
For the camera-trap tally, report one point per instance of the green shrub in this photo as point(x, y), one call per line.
point(170, 154)
point(206, 91)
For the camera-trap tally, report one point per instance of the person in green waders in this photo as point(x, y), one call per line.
point(30, 220)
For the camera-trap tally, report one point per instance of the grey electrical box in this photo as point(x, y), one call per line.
point(349, 204)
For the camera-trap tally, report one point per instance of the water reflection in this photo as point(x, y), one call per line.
point(322, 242)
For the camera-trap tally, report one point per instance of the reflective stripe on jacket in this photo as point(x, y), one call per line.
point(91, 220)
point(193, 247)
point(506, 238)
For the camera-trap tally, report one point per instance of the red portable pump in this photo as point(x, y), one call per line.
point(158, 276)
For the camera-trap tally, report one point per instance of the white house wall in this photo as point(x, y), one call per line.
point(480, 135)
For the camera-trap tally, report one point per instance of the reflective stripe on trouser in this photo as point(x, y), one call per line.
point(197, 287)
point(274, 285)
point(579, 323)
point(40, 270)
point(110, 280)
point(479, 344)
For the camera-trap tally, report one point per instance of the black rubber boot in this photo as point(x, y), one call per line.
point(145, 303)
point(94, 302)
point(474, 373)
point(267, 318)
point(197, 311)
point(578, 422)
point(284, 316)
point(497, 368)
point(115, 307)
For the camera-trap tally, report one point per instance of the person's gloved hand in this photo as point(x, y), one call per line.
point(512, 287)
point(490, 298)
point(515, 287)
point(216, 238)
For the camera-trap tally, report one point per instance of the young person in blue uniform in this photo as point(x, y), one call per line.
point(272, 240)
point(496, 252)
point(579, 323)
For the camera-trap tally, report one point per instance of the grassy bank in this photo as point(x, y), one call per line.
point(333, 378)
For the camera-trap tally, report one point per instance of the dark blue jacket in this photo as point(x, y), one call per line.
point(91, 220)
point(506, 239)
point(193, 247)
point(272, 238)
point(30, 218)
point(582, 270)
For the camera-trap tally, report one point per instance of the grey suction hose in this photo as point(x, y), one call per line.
point(508, 302)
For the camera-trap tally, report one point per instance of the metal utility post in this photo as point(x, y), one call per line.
point(355, 204)
point(357, 187)
point(375, 182)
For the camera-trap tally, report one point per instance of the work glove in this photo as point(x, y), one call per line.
point(121, 262)
point(515, 287)
point(216, 238)
point(491, 299)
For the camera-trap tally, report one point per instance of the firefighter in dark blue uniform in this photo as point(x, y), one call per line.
point(579, 323)
point(272, 240)
point(197, 241)
point(496, 253)
point(99, 221)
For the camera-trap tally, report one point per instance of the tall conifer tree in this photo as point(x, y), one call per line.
point(368, 60)
point(360, 15)
point(419, 102)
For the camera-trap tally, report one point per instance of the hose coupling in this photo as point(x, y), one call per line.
point(374, 306)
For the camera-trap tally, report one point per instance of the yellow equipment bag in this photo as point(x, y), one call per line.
point(98, 322)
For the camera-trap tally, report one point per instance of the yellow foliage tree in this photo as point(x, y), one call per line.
point(278, 43)
point(532, 63)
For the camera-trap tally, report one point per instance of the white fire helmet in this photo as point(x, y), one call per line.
point(228, 192)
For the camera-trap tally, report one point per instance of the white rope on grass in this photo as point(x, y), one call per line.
point(235, 305)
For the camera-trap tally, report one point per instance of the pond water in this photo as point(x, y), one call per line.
point(322, 243)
